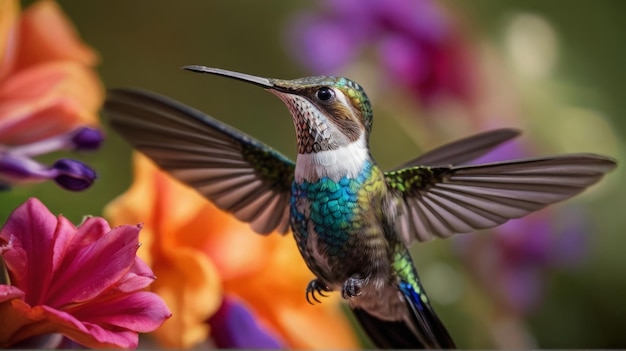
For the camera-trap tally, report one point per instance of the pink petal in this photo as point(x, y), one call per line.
point(29, 231)
point(90, 270)
point(92, 229)
point(25, 322)
point(141, 311)
point(88, 334)
point(9, 292)
point(139, 277)
point(20, 322)
point(63, 237)
point(14, 256)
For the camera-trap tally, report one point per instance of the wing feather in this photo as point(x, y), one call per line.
point(442, 201)
point(463, 150)
point(235, 171)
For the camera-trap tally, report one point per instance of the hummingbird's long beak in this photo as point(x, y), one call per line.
point(260, 81)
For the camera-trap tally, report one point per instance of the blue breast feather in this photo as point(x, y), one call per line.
point(333, 208)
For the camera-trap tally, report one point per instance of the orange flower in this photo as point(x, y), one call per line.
point(201, 254)
point(48, 92)
point(46, 79)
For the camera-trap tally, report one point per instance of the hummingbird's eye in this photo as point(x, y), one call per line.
point(325, 94)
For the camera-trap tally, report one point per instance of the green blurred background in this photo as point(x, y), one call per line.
point(144, 43)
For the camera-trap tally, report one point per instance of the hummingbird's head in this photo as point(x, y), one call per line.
point(328, 112)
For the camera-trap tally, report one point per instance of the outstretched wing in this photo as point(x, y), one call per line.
point(441, 201)
point(235, 171)
point(464, 150)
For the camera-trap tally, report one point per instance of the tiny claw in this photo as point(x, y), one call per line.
point(352, 287)
point(315, 286)
point(314, 298)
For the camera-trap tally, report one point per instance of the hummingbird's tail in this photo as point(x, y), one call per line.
point(421, 329)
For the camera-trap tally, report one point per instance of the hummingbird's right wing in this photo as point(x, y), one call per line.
point(463, 150)
point(238, 173)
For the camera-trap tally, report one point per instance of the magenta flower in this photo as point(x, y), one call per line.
point(83, 282)
point(416, 44)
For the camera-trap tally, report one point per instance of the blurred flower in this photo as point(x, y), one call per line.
point(82, 282)
point(417, 45)
point(511, 263)
point(234, 326)
point(205, 258)
point(48, 93)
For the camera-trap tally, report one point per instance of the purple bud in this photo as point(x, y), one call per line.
point(86, 138)
point(73, 175)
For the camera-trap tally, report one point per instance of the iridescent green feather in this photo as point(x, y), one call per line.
point(411, 180)
point(405, 270)
point(270, 166)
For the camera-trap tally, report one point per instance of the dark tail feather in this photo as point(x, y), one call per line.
point(422, 330)
point(387, 334)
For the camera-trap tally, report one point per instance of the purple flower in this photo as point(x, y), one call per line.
point(86, 139)
point(511, 264)
point(234, 327)
point(416, 44)
point(17, 165)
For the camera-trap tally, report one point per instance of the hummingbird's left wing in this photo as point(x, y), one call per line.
point(442, 201)
point(238, 173)
point(463, 150)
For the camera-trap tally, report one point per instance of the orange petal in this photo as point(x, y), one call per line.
point(164, 206)
point(47, 100)
point(322, 326)
point(9, 10)
point(18, 323)
point(12, 320)
point(186, 279)
point(190, 287)
point(232, 245)
point(317, 327)
point(191, 221)
point(47, 35)
point(137, 201)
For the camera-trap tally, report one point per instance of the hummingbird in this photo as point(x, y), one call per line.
point(352, 221)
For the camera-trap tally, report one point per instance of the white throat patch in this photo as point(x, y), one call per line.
point(344, 161)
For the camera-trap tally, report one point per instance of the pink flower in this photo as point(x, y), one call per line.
point(82, 282)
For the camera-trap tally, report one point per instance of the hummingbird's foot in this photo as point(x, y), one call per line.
point(316, 286)
point(352, 287)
